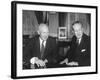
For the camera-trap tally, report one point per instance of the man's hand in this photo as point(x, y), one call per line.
point(64, 61)
point(46, 61)
point(40, 63)
point(33, 60)
point(73, 63)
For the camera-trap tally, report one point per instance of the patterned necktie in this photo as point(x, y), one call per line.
point(42, 49)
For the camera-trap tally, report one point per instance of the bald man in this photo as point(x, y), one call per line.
point(41, 50)
point(79, 53)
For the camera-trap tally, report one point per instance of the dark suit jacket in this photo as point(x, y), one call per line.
point(33, 50)
point(81, 52)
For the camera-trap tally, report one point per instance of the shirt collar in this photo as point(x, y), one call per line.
point(79, 40)
point(41, 41)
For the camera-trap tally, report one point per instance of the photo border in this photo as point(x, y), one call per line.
point(14, 38)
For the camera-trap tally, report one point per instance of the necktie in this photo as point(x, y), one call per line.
point(42, 49)
point(77, 41)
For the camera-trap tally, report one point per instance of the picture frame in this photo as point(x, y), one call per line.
point(17, 8)
point(62, 33)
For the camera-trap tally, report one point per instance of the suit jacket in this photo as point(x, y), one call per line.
point(33, 50)
point(80, 53)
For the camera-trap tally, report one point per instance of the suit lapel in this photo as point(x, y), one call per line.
point(38, 47)
point(46, 47)
point(81, 43)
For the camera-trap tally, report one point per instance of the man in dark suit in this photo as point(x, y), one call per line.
point(41, 50)
point(79, 53)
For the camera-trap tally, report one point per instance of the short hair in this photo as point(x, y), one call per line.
point(42, 25)
point(77, 22)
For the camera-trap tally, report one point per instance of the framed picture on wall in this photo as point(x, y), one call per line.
point(25, 20)
point(62, 33)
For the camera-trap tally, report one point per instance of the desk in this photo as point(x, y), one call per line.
point(53, 66)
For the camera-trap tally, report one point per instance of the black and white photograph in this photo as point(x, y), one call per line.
point(53, 39)
point(62, 33)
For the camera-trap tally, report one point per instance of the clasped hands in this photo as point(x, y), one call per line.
point(38, 62)
point(73, 63)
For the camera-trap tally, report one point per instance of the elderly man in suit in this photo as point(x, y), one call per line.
point(41, 50)
point(79, 53)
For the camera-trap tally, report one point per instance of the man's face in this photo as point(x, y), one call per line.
point(78, 30)
point(44, 33)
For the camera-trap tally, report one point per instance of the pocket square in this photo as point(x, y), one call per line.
point(83, 50)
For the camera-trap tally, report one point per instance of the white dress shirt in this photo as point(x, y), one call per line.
point(41, 43)
point(79, 40)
